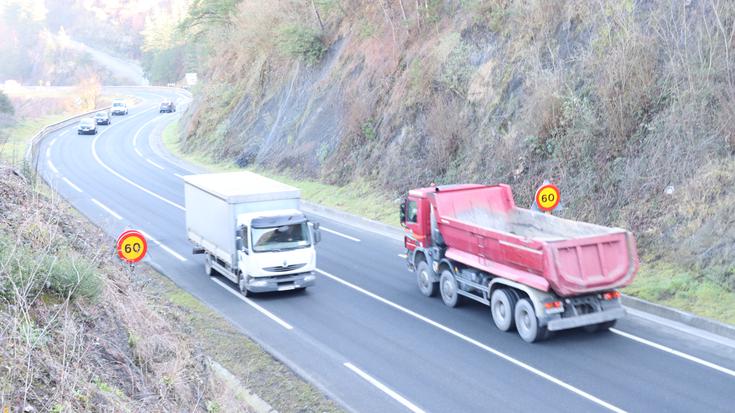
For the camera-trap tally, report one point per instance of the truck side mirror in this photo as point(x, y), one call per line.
point(403, 213)
point(317, 233)
point(242, 239)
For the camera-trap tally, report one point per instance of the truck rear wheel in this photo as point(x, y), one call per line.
point(448, 288)
point(427, 285)
point(502, 305)
point(527, 323)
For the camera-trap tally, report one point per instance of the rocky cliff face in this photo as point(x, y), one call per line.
point(627, 106)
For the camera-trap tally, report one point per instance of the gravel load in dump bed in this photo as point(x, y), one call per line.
point(530, 224)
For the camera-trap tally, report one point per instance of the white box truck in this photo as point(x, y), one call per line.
point(251, 230)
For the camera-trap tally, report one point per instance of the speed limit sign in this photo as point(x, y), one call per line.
point(131, 246)
point(547, 197)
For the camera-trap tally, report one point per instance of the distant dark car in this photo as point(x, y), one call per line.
point(167, 107)
point(102, 118)
point(87, 126)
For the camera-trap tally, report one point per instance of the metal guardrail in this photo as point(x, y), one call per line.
point(30, 160)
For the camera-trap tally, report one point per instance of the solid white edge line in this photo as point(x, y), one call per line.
point(149, 237)
point(250, 302)
point(478, 344)
point(71, 184)
point(674, 352)
point(103, 206)
point(331, 231)
point(117, 174)
point(385, 389)
point(178, 176)
point(51, 166)
point(155, 164)
point(163, 246)
point(172, 252)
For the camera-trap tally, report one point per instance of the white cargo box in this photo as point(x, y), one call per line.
point(214, 201)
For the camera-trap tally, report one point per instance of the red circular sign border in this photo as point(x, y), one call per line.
point(123, 237)
point(558, 198)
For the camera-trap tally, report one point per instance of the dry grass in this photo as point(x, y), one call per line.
point(78, 331)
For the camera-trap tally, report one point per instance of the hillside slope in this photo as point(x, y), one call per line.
point(626, 105)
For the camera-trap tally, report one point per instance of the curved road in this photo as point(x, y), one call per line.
point(364, 334)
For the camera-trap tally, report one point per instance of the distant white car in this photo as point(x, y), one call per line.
point(87, 126)
point(119, 108)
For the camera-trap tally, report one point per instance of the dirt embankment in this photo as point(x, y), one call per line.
point(80, 332)
point(626, 105)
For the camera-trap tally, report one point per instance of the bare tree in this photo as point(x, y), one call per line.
point(318, 17)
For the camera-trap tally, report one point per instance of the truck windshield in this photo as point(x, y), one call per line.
point(281, 238)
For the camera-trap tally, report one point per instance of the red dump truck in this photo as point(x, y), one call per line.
point(537, 272)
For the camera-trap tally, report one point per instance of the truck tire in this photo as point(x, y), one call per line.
point(502, 306)
point(208, 266)
point(448, 288)
point(596, 328)
point(243, 289)
point(527, 323)
point(427, 286)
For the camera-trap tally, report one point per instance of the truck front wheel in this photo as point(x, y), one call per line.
point(448, 288)
point(527, 323)
point(242, 285)
point(427, 286)
point(502, 304)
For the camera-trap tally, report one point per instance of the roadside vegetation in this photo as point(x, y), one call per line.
point(82, 332)
point(79, 332)
point(627, 106)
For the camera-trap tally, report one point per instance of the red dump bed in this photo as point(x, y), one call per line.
point(482, 228)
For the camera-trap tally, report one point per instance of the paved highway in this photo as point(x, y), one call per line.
point(364, 334)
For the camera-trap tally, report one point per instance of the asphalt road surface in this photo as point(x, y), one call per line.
point(364, 334)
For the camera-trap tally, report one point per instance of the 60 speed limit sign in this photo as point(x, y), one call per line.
point(131, 246)
point(547, 197)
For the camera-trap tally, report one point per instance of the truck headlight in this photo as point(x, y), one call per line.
point(310, 278)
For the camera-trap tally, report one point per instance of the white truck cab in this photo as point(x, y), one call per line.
point(251, 231)
point(276, 251)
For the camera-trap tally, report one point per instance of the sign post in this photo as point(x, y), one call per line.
point(547, 197)
point(131, 246)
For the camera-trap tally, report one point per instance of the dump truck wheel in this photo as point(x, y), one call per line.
point(427, 286)
point(502, 306)
point(527, 323)
point(448, 288)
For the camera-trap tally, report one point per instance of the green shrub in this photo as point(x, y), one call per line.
point(73, 277)
point(64, 275)
point(456, 70)
point(302, 42)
